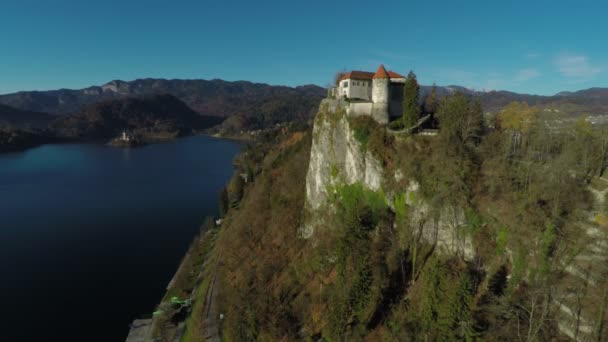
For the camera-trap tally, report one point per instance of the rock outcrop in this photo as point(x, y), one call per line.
point(337, 158)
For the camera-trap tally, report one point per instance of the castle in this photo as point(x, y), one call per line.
point(379, 94)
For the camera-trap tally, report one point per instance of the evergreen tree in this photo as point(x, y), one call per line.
point(434, 283)
point(411, 109)
point(465, 329)
point(224, 202)
point(431, 104)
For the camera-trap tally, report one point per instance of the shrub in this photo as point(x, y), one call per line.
point(502, 237)
point(356, 196)
point(362, 128)
point(380, 144)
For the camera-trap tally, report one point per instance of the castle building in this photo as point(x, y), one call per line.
point(379, 94)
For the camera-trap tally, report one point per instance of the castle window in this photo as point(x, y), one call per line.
point(345, 84)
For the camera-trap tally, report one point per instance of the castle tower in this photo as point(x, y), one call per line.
point(380, 94)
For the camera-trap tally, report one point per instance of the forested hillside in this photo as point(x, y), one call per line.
point(474, 234)
point(13, 117)
point(159, 115)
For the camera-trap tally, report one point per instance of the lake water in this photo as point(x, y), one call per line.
point(91, 235)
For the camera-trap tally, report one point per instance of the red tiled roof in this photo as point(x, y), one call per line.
point(358, 75)
point(393, 74)
point(365, 75)
point(381, 72)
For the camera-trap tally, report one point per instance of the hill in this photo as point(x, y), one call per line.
point(268, 113)
point(352, 232)
point(14, 117)
point(157, 116)
point(213, 98)
point(592, 101)
point(12, 139)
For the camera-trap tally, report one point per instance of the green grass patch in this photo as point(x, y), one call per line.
point(502, 237)
point(334, 171)
point(401, 206)
point(354, 196)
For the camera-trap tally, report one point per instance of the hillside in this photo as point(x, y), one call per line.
point(211, 98)
point(160, 116)
point(350, 231)
point(268, 113)
point(12, 139)
point(14, 117)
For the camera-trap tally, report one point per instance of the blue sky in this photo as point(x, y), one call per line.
point(539, 47)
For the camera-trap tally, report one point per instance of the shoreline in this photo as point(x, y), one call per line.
point(182, 293)
point(106, 142)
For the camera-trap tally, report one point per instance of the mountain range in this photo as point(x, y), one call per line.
point(224, 99)
point(592, 101)
point(214, 97)
point(100, 111)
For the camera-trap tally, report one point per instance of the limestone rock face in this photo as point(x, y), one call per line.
point(444, 227)
point(337, 158)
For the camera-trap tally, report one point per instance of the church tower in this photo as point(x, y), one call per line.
point(380, 94)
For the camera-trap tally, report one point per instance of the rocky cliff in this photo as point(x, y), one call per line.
point(340, 155)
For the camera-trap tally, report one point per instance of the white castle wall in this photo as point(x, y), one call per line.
point(380, 90)
point(359, 108)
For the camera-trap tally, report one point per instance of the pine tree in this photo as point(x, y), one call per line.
point(224, 203)
point(411, 109)
point(431, 104)
point(466, 322)
point(434, 281)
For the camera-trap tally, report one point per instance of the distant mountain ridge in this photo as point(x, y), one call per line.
point(252, 106)
point(213, 98)
point(590, 101)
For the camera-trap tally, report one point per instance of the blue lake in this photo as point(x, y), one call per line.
point(91, 235)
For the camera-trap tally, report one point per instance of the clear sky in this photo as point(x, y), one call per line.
point(539, 47)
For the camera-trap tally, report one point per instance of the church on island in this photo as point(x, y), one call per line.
point(379, 94)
